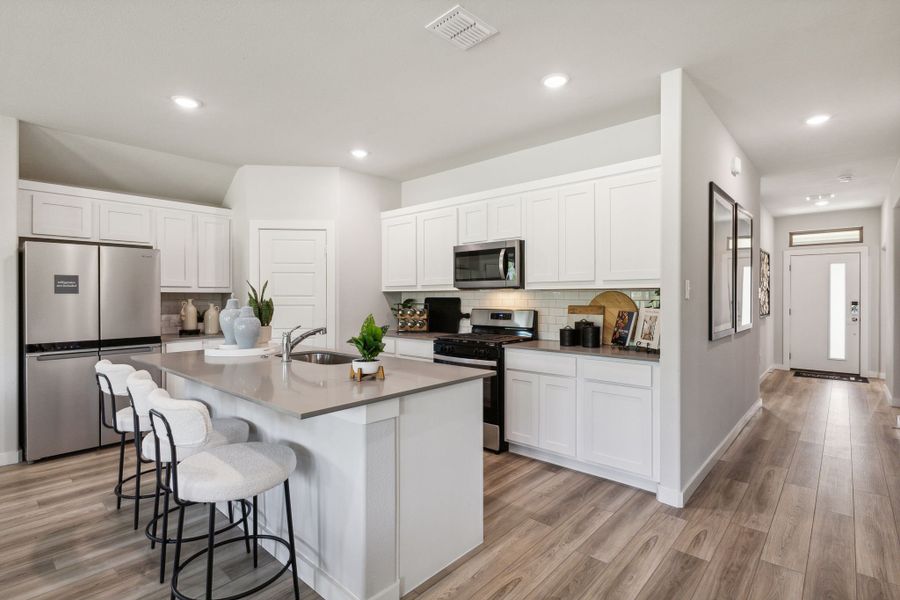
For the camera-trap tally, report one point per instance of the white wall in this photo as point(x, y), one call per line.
point(9, 375)
point(714, 383)
point(890, 341)
point(627, 141)
point(66, 158)
point(870, 220)
point(766, 224)
point(352, 200)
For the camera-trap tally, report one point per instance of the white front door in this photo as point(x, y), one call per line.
point(293, 261)
point(825, 312)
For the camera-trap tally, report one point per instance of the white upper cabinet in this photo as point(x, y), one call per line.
point(127, 223)
point(473, 223)
point(177, 245)
point(542, 237)
point(576, 233)
point(629, 227)
point(398, 252)
point(504, 218)
point(436, 236)
point(61, 215)
point(213, 252)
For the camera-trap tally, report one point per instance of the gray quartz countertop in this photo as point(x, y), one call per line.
point(605, 351)
point(306, 390)
point(174, 337)
point(415, 335)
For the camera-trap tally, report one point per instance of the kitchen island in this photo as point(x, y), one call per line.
point(388, 486)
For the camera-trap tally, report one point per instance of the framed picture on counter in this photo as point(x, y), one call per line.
point(646, 333)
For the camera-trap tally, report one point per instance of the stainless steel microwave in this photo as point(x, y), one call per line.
point(489, 265)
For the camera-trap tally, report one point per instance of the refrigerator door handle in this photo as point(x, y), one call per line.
point(132, 350)
point(64, 355)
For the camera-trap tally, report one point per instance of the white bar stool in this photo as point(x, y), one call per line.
point(222, 474)
point(111, 379)
point(144, 392)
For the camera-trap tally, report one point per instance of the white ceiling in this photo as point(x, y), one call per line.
point(291, 82)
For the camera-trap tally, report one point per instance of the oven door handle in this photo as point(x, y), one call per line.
point(456, 360)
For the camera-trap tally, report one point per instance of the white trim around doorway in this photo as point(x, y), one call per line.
point(330, 263)
point(863, 252)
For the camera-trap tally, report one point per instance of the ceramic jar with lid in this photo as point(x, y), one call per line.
point(246, 328)
point(226, 320)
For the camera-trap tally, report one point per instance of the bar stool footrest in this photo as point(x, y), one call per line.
point(117, 490)
point(246, 508)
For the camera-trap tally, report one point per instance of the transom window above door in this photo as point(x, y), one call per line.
point(822, 237)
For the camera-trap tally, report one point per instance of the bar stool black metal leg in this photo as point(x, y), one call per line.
point(121, 470)
point(156, 505)
point(178, 537)
point(210, 549)
point(230, 513)
point(290, 524)
point(255, 534)
point(137, 487)
point(246, 526)
point(165, 536)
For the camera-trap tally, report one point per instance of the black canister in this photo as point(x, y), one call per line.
point(591, 336)
point(569, 336)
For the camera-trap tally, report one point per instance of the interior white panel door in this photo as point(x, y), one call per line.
point(542, 237)
point(294, 263)
point(576, 233)
point(473, 223)
point(629, 226)
point(504, 218)
point(398, 252)
point(120, 222)
point(823, 321)
point(558, 401)
point(616, 427)
point(177, 249)
point(61, 215)
point(436, 234)
point(523, 412)
point(213, 251)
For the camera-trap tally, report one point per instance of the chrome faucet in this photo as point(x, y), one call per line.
point(288, 345)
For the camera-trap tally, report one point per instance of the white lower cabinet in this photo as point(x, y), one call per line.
point(598, 414)
point(558, 415)
point(616, 426)
point(523, 412)
point(409, 348)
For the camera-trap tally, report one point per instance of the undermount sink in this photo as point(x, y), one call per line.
point(323, 358)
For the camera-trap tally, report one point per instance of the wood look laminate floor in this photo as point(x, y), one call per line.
point(805, 504)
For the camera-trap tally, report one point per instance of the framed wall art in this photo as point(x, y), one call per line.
point(765, 280)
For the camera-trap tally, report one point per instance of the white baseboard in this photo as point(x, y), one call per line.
point(781, 367)
point(716, 454)
point(670, 496)
point(766, 372)
point(10, 458)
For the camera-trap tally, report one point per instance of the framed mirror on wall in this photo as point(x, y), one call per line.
point(744, 290)
point(722, 215)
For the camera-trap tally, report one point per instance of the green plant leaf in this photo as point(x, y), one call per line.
point(369, 340)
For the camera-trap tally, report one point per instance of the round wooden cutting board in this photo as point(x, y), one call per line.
point(613, 302)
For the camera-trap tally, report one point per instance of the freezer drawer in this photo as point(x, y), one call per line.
point(123, 355)
point(62, 411)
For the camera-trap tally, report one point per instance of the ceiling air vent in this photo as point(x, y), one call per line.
point(461, 28)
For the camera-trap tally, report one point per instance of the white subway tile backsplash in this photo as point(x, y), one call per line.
point(552, 305)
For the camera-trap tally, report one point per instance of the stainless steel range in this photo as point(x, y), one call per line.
point(492, 328)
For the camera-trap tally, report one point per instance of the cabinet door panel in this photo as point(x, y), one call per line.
point(398, 252)
point(558, 414)
point(177, 249)
point(473, 223)
point(436, 233)
point(629, 226)
point(576, 233)
point(542, 237)
point(522, 407)
point(120, 222)
point(616, 427)
point(504, 218)
point(61, 215)
point(213, 251)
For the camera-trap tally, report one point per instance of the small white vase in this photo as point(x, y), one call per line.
point(246, 329)
point(226, 320)
point(368, 367)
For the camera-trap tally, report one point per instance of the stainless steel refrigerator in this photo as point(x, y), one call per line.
point(79, 303)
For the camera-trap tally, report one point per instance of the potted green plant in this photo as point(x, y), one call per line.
point(370, 344)
point(263, 309)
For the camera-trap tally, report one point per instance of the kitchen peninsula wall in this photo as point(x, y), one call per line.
point(552, 305)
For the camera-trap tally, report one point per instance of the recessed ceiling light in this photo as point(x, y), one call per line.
point(818, 119)
point(808, 198)
point(555, 80)
point(845, 178)
point(359, 153)
point(187, 102)
point(822, 203)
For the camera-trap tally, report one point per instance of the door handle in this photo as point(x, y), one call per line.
point(502, 264)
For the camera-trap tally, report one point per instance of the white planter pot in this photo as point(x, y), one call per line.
point(368, 367)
